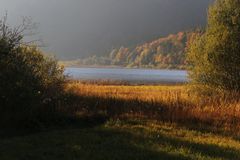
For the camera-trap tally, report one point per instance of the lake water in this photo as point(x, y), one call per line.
point(128, 75)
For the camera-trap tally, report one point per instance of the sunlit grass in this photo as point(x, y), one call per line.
point(144, 93)
point(165, 103)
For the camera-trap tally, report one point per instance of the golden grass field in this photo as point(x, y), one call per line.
point(171, 103)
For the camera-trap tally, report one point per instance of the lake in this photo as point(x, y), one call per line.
point(128, 75)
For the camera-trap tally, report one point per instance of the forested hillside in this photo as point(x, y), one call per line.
point(167, 52)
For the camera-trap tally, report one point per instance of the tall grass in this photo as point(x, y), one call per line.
point(163, 103)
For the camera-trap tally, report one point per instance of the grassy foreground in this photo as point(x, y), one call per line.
point(136, 123)
point(117, 140)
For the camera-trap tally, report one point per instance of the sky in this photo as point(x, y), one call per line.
point(72, 29)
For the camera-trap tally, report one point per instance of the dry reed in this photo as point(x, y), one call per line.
point(165, 103)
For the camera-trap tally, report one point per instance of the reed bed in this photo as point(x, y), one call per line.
point(163, 103)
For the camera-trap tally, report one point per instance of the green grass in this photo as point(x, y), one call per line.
point(120, 140)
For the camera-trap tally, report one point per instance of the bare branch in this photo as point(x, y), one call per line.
point(14, 36)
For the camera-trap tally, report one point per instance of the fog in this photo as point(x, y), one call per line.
point(76, 28)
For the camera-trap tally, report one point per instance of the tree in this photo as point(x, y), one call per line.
point(215, 55)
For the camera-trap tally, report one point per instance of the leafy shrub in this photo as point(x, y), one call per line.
point(30, 83)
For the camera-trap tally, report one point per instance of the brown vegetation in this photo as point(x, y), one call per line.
point(163, 103)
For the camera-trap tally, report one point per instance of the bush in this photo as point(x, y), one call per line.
point(31, 83)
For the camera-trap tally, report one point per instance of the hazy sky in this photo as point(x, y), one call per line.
point(74, 28)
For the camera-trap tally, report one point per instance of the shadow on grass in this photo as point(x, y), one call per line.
point(177, 111)
point(86, 138)
point(209, 150)
point(100, 143)
point(65, 122)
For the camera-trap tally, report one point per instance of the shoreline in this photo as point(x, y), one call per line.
point(120, 67)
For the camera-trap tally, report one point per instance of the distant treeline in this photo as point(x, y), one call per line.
point(168, 53)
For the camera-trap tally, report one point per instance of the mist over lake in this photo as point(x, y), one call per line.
point(144, 76)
